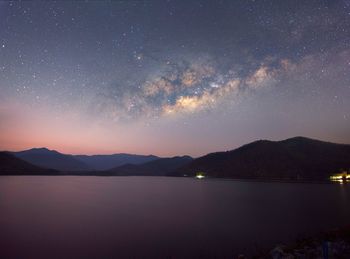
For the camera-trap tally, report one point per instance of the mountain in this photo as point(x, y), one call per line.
point(159, 167)
point(291, 159)
point(44, 157)
point(105, 162)
point(11, 165)
point(52, 159)
point(295, 158)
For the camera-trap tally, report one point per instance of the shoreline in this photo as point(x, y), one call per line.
point(273, 180)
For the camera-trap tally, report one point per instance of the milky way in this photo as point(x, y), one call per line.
point(172, 77)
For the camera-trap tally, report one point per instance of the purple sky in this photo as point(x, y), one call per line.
point(172, 77)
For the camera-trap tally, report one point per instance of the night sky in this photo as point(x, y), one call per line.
point(172, 77)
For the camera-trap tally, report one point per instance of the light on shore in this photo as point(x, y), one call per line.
point(342, 177)
point(200, 175)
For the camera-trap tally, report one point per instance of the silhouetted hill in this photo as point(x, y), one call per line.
point(294, 158)
point(44, 157)
point(105, 162)
point(11, 165)
point(159, 167)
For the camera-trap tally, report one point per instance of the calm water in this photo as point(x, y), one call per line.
point(108, 217)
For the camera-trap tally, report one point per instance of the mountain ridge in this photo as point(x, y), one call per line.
point(293, 158)
point(12, 165)
point(44, 157)
point(105, 162)
point(158, 167)
point(296, 158)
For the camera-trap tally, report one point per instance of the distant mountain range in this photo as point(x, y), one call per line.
point(11, 165)
point(296, 158)
point(159, 167)
point(105, 162)
point(46, 158)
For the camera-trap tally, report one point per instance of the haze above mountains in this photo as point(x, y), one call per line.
point(296, 158)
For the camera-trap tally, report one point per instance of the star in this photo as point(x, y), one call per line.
point(118, 65)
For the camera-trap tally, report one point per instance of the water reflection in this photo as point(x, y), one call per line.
point(104, 217)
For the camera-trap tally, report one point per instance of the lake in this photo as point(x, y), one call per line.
point(108, 217)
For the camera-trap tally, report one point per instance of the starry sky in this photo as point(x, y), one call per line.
point(172, 77)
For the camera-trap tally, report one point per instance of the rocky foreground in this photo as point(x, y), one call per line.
point(331, 244)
